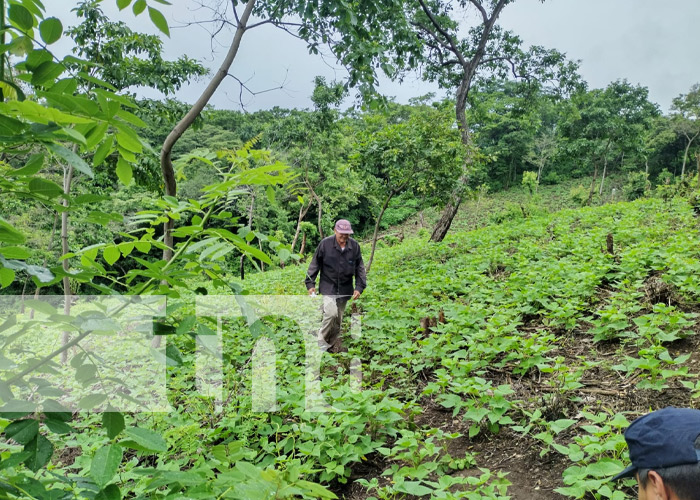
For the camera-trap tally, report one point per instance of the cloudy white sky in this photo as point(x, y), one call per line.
point(649, 42)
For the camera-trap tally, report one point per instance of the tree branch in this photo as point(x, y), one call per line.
point(453, 45)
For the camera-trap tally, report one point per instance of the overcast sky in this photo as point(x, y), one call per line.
point(649, 42)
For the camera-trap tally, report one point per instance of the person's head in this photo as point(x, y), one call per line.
point(343, 230)
point(664, 448)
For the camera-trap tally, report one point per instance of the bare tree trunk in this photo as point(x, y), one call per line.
point(303, 244)
point(67, 295)
point(302, 214)
point(376, 228)
point(685, 153)
point(320, 212)
point(595, 177)
point(602, 179)
point(698, 158)
point(646, 166)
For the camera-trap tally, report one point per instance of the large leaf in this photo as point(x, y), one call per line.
point(113, 422)
point(46, 72)
point(110, 492)
point(159, 20)
point(40, 450)
point(20, 16)
point(7, 276)
point(9, 234)
point(145, 440)
point(51, 30)
point(22, 431)
point(33, 165)
point(71, 158)
point(105, 464)
point(124, 171)
point(43, 187)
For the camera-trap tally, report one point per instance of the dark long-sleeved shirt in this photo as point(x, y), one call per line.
point(338, 267)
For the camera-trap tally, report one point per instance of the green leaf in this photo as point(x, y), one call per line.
point(20, 16)
point(129, 142)
point(111, 254)
point(139, 6)
point(316, 490)
point(270, 192)
point(22, 431)
point(33, 165)
point(40, 450)
point(145, 440)
point(7, 276)
point(58, 427)
point(14, 460)
point(113, 422)
point(159, 20)
point(103, 151)
point(110, 492)
point(123, 4)
point(9, 234)
point(71, 158)
point(46, 72)
point(91, 400)
point(142, 246)
point(43, 187)
point(14, 253)
point(56, 411)
point(413, 488)
point(124, 171)
point(51, 30)
point(105, 463)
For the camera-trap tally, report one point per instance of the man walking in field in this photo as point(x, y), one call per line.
point(664, 448)
point(339, 260)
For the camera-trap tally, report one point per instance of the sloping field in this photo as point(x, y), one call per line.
point(513, 354)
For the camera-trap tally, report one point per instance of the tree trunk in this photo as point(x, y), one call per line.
point(595, 177)
point(698, 158)
point(302, 214)
point(376, 229)
point(448, 215)
point(303, 244)
point(602, 179)
point(67, 295)
point(320, 212)
point(685, 153)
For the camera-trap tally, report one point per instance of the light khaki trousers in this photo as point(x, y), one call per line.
point(333, 308)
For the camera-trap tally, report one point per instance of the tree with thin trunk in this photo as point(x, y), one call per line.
point(421, 154)
point(685, 119)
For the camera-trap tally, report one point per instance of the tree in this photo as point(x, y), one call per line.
point(421, 154)
point(685, 118)
point(455, 61)
point(602, 121)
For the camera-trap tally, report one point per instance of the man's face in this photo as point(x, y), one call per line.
point(341, 238)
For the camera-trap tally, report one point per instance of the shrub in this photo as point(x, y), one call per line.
point(579, 195)
point(636, 186)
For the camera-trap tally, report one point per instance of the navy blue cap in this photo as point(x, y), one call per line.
point(662, 438)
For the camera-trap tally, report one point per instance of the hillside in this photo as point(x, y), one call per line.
point(550, 345)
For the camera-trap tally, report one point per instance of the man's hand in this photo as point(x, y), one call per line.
point(312, 291)
point(355, 295)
